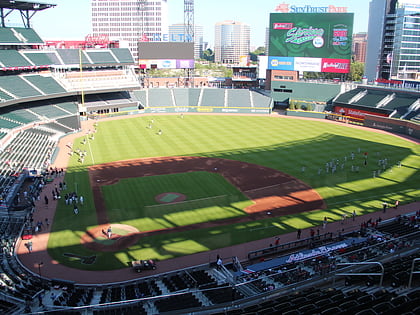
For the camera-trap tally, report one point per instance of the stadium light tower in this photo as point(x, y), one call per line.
point(189, 20)
point(189, 30)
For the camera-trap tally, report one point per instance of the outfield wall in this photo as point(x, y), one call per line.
point(405, 127)
point(207, 109)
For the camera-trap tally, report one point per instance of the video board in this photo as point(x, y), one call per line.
point(319, 42)
point(166, 55)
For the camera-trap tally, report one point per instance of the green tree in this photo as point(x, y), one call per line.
point(208, 55)
point(356, 71)
point(260, 51)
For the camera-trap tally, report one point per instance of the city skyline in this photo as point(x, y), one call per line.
point(207, 14)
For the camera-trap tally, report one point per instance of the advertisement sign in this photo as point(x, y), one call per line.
point(312, 35)
point(356, 113)
point(166, 63)
point(307, 8)
point(185, 64)
point(335, 65)
point(281, 63)
point(308, 64)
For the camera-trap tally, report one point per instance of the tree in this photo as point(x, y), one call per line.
point(208, 55)
point(356, 71)
point(260, 51)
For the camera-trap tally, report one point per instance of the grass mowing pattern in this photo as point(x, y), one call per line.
point(126, 199)
point(283, 144)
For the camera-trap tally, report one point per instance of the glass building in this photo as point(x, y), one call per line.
point(232, 40)
point(393, 49)
point(130, 21)
point(176, 34)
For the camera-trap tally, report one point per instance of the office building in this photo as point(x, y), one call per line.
point(130, 21)
point(393, 50)
point(177, 34)
point(359, 45)
point(232, 40)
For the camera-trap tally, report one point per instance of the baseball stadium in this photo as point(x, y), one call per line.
point(121, 198)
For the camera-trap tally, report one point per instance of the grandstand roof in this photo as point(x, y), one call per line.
point(25, 5)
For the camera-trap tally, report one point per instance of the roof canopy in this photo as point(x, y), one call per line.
point(26, 8)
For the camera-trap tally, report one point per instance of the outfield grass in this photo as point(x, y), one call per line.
point(281, 143)
point(127, 200)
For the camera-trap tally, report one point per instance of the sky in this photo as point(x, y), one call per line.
point(70, 19)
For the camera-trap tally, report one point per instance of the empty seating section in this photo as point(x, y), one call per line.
point(213, 97)
point(8, 124)
point(182, 97)
point(12, 58)
point(238, 98)
point(101, 57)
point(71, 122)
point(260, 100)
point(371, 98)
point(400, 101)
point(115, 98)
point(141, 97)
point(18, 87)
point(38, 58)
point(4, 96)
point(30, 148)
point(178, 302)
point(46, 84)
point(194, 96)
point(160, 97)
point(20, 115)
point(57, 127)
point(219, 294)
point(347, 96)
point(72, 56)
point(48, 111)
point(70, 107)
point(19, 35)
point(123, 55)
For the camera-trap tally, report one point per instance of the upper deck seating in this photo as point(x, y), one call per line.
point(123, 55)
point(19, 36)
point(38, 58)
point(72, 56)
point(12, 58)
point(46, 84)
point(17, 86)
point(101, 57)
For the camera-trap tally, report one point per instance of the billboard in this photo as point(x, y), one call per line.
point(166, 63)
point(319, 42)
point(166, 50)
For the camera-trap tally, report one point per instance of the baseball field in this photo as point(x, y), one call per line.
point(172, 185)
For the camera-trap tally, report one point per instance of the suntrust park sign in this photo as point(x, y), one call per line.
point(287, 8)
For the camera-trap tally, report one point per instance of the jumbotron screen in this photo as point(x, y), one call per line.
point(319, 42)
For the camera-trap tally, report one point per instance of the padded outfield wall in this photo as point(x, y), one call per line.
point(404, 127)
point(207, 109)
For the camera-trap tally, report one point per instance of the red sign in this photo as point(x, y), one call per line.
point(283, 26)
point(335, 65)
point(356, 113)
